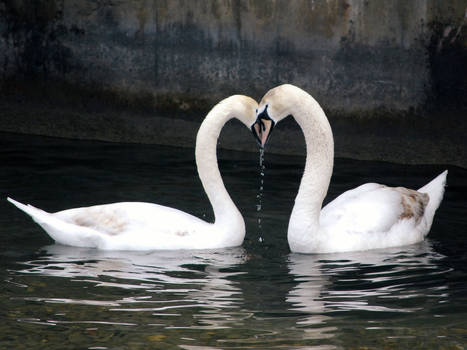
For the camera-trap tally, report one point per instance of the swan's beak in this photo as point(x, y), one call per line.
point(262, 128)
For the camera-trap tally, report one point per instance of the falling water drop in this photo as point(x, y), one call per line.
point(259, 196)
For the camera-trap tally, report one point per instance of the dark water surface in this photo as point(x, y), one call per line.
point(258, 296)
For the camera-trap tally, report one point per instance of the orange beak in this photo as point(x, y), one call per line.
point(262, 128)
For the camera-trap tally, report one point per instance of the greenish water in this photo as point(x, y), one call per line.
point(258, 296)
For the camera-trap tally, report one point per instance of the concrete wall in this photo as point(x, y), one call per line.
point(381, 69)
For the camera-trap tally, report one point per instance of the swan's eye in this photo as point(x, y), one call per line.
point(256, 110)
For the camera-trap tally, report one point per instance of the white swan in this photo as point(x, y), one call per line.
point(368, 217)
point(147, 226)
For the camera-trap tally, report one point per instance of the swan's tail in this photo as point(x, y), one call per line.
point(60, 231)
point(37, 215)
point(435, 189)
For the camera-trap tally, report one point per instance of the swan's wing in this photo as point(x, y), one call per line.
point(121, 218)
point(109, 219)
point(373, 208)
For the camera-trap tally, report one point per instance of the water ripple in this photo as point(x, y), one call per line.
point(375, 281)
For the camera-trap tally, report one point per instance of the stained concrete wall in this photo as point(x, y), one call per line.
point(390, 74)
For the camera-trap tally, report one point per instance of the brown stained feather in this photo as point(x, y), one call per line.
point(413, 203)
point(182, 233)
point(109, 222)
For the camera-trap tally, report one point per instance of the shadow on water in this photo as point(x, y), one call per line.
point(256, 296)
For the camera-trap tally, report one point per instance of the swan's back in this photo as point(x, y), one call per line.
point(377, 216)
point(373, 208)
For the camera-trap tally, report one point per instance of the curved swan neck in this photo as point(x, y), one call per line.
point(224, 209)
point(318, 165)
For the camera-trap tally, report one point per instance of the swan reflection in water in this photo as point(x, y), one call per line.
point(169, 281)
point(219, 289)
point(396, 280)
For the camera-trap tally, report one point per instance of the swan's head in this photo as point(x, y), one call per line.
point(240, 107)
point(274, 106)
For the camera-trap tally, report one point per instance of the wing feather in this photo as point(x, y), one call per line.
point(373, 208)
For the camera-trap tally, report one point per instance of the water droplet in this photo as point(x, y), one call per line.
point(259, 196)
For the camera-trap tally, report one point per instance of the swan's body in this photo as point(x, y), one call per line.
point(147, 226)
point(370, 216)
